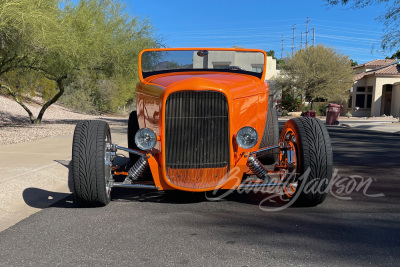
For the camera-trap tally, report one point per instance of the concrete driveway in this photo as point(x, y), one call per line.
point(34, 175)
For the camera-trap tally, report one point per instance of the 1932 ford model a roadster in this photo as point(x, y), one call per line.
point(203, 123)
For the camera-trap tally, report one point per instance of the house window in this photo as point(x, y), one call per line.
point(257, 69)
point(350, 105)
point(364, 97)
point(221, 67)
point(360, 100)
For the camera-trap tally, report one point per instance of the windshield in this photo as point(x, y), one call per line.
point(164, 61)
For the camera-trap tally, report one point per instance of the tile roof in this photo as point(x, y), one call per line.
point(391, 69)
point(376, 63)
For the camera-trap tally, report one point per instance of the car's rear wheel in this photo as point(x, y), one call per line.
point(133, 127)
point(313, 160)
point(91, 163)
point(270, 138)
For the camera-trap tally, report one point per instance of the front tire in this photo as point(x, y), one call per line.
point(91, 163)
point(313, 155)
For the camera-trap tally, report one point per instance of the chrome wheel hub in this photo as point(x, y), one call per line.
point(107, 166)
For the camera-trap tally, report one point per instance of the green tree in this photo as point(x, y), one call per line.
point(28, 30)
point(110, 49)
point(279, 62)
point(390, 18)
point(353, 63)
point(172, 65)
point(395, 55)
point(317, 72)
point(57, 41)
point(271, 53)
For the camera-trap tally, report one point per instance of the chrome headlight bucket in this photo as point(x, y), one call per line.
point(145, 139)
point(247, 137)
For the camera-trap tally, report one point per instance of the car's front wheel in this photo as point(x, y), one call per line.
point(91, 163)
point(313, 160)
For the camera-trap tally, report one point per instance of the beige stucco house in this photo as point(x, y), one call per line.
point(376, 90)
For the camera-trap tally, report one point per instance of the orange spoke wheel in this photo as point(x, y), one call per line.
point(307, 178)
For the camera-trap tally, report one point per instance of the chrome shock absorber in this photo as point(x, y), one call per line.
point(137, 169)
point(258, 168)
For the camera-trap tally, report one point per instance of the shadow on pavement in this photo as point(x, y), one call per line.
point(67, 164)
point(39, 198)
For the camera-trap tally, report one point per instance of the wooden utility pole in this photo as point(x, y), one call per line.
point(313, 39)
point(282, 46)
point(301, 41)
point(307, 32)
point(294, 28)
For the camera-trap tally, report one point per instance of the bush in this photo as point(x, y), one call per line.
point(78, 99)
point(289, 103)
point(89, 94)
point(320, 109)
point(306, 108)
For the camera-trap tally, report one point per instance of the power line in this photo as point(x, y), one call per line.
point(350, 30)
point(282, 46)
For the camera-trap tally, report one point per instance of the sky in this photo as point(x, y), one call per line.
point(261, 24)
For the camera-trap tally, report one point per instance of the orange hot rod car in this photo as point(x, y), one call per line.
point(203, 123)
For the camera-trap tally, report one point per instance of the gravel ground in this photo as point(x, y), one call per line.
point(15, 126)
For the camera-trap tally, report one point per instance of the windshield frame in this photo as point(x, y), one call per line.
point(143, 76)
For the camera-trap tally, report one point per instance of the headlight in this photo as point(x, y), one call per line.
point(145, 139)
point(247, 137)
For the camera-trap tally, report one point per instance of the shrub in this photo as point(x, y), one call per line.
point(289, 103)
point(306, 108)
point(320, 109)
point(78, 99)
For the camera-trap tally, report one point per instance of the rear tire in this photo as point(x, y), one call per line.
point(313, 153)
point(270, 138)
point(133, 127)
point(91, 164)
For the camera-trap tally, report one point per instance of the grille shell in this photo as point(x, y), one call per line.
point(197, 138)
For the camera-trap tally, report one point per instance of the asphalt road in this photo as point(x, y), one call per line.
point(143, 228)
